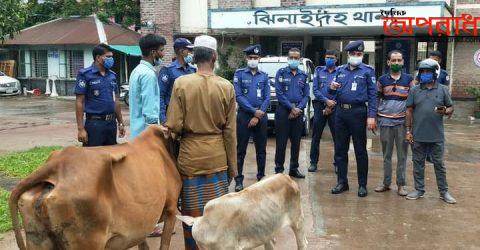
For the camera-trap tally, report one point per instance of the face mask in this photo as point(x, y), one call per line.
point(157, 62)
point(330, 62)
point(108, 62)
point(396, 67)
point(188, 58)
point(355, 60)
point(253, 64)
point(426, 77)
point(293, 64)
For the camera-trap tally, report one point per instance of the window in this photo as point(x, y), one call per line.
point(39, 63)
point(74, 61)
point(23, 64)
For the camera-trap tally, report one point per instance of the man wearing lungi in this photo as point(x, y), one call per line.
point(202, 112)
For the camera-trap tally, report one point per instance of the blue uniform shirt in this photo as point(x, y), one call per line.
point(321, 83)
point(292, 89)
point(443, 78)
point(357, 86)
point(99, 90)
point(252, 91)
point(166, 78)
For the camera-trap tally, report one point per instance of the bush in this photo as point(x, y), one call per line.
point(230, 59)
point(475, 92)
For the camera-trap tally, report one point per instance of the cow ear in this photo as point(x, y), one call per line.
point(116, 157)
point(186, 219)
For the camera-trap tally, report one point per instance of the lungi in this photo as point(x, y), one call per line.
point(196, 192)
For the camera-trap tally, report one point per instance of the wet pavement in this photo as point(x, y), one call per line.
point(379, 221)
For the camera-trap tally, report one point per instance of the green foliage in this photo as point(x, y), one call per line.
point(12, 18)
point(5, 219)
point(125, 12)
point(21, 164)
point(475, 92)
point(230, 59)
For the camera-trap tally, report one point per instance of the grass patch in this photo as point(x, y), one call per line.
point(21, 164)
point(5, 220)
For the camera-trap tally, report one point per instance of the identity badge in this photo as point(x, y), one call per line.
point(354, 86)
point(259, 93)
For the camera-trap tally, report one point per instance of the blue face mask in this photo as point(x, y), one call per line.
point(157, 62)
point(188, 58)
point(330, 62)
point(293, 64)
point(426, 77)
point(108, 62)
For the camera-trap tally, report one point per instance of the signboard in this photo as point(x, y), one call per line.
point(287, 45)
point(314, 17)
point(476, 58)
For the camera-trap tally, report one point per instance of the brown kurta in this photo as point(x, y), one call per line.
point(202, 110)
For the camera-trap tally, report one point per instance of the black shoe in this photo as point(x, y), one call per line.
point(340, 188)
point(362, 192)
point(296, 174)
point(279, 170)
point(238, 187)
point(312, 168)
point(260, 178)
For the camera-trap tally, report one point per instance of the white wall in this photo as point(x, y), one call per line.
point(194, 16)
point(87, 57)
point(337, 2)
point(53, 62)
point(267, 3)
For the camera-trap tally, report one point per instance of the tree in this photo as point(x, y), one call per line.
point(12, 18)
point(125, 12)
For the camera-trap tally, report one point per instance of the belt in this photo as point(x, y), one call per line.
point(351, 106)
point(103, 117)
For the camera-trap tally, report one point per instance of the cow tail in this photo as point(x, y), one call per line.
point(24, 185)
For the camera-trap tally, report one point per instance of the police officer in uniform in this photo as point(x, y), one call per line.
point(253, 97)
point(292, 90)
point(323, 105)
point(96, 93)
point(443, 77)
point(354, 85)
point(181, 66)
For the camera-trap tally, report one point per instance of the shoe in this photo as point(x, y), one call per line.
point(279, 170)
point(362, 192)
point(260, 178)
point(340, 188)
point(382, 188)
point(296, 174)
point(448, 198)
point(414, 195)
point(312, 168)
point(238, 187)
point(402, 191)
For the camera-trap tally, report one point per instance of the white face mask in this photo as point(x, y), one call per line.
point(253, 64)
point(355, 60)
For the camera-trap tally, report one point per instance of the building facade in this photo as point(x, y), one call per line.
point(317, 25)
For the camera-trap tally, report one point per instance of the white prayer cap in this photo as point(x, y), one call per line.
point(205, 41)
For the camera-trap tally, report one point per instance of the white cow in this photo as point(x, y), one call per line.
point(250, 218)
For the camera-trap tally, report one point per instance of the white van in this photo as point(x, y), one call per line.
point(270, 65)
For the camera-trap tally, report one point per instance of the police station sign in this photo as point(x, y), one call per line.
point(312, 17)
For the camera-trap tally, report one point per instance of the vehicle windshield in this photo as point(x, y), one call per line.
point(1, 73)
point(271, 68)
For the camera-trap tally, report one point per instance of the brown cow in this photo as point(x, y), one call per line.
point(99, 198)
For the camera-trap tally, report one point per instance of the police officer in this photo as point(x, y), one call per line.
point(443, 77)
point(354, 85)
point(323, 105)
point(96, 93)
point(181, 66)
point(253, 97)
point(292, 90)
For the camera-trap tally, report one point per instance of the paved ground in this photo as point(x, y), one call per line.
point(345, 221)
